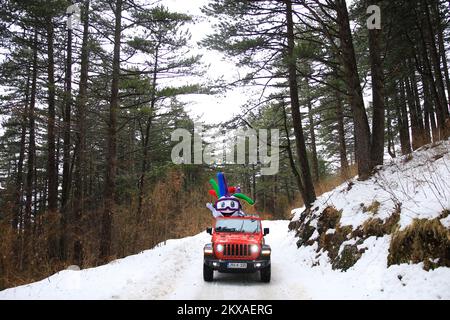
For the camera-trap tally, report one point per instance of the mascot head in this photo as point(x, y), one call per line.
point(227, 201)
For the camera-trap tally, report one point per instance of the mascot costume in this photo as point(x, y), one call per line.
point(227, 203)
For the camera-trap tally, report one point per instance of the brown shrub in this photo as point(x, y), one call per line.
point(171, 210)
point(329, 219)
point(426, 241)
point(332, 182)
point(294, 225)
point(375, 227)
point(372, 208)
point(350, 253)
point(331, 242)
point(304, 233)
point(445, 213)
point(325, 185)
point(348, 258)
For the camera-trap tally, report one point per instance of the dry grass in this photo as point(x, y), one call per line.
point(332, 235)
point(23, 261)
point(327, 184)
point(372, 208)
point(426, 241)
point(349, 256)
point(329, 219)
point(378, 228)
point(323, 186)
point(445, 213)
point(331, 242)
point(172, 209)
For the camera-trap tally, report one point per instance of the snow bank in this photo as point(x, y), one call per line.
point(419, 185)
point(419, 182)
point(173, 271)
point(369, 278)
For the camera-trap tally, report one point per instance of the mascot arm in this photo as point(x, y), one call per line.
point(213, 210)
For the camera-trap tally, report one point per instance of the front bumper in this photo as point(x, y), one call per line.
point(222, 265)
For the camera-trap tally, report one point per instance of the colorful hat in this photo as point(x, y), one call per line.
point(221, 190)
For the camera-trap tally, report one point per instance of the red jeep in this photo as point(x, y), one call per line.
point(238, 246)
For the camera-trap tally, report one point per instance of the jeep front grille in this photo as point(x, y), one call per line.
point(237, 250)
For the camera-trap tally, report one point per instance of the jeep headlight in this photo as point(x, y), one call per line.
point(219, 248)
point(208, 249)
point(254, 248)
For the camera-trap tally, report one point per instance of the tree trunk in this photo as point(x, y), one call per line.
point(341, 136)
point(288, 190)
point(309, 192)
point(80, 159)
point(110, 181)
point(315, 160)
point(17, 219)
point(402, 115)
point(66, 181)
point(390, 133)
point(378, 122)
point(31, 139)
point(146, 138)
point(362, 130)
point(415, 129)
point(254, 182)
point(436, 65)
point(297, 176)
point(25, 239)
point(428, 74)
point(52, 172)
point(442, 51)
point(419, 112)
point(428, 110)
point(51, 161)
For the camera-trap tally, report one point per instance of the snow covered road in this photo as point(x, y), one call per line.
point(171, 271)
point(174, 271)
point(243, 286)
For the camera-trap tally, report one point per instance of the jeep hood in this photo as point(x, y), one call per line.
point(237, 238)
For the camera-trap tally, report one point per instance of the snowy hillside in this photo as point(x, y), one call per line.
point(419, 182)
point(387, 230)
point(351, 228)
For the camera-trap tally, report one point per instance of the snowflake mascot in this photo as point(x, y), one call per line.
point(227, 203)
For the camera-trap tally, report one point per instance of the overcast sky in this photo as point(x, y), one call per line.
point(211, 109)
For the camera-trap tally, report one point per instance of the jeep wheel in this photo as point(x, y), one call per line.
point(208, 273)
point(265, 274)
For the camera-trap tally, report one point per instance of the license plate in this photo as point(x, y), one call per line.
point(237, 265)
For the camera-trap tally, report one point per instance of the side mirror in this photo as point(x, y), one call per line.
point(209, 230)
point(266, 231)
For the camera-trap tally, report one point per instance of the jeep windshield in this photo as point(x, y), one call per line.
point(238, 225)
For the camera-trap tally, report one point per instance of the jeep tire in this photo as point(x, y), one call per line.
point(265, 274)
point(208, 273)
